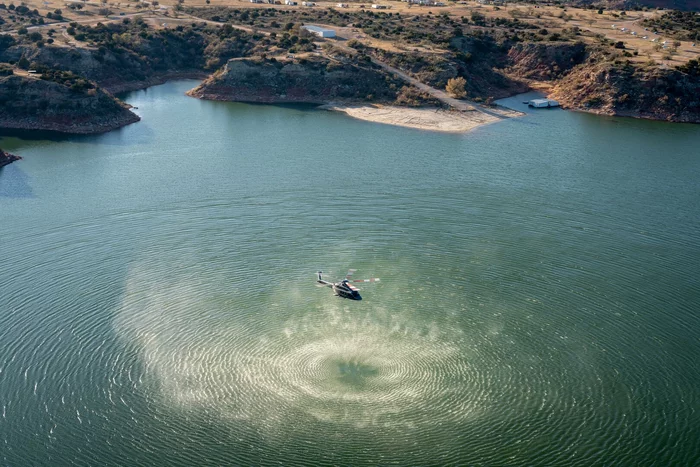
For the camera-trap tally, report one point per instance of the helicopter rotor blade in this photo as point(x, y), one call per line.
point(373, 279)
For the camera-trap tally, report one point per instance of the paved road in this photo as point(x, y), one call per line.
point(440, 95)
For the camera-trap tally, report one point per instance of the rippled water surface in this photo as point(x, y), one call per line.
point(539, 302)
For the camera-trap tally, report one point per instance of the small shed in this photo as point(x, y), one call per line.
point(320, 32)
point(543, 103)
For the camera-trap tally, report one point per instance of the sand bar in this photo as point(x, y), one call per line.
point(431, 119)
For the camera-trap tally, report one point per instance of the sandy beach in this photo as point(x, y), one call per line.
point(431, 119)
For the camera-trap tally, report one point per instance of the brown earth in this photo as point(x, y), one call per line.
point(625, 90)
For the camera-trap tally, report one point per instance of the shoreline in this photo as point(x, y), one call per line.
point(630, 114)
point(124, 87)
point(423, 118)
point(86, 128)
point(433, 119)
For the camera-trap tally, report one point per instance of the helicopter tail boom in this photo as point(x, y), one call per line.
point(321, 281)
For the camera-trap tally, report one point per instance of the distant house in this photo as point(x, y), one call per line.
point(342, 5)
point(379, 7)
point(320, 32)
point(290, 2)
point(308, 4)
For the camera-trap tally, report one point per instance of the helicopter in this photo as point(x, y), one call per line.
point(344, 288)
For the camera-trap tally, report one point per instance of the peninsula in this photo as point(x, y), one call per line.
point(7, 158)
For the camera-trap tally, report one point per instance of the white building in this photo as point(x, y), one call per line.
point(379, 7)
point(290, 2)
point(320, 32)
point(342, 5)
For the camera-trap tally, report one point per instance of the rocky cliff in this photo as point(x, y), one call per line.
point(60, 102)
point(631, 90)
point(7, 158)
point(116, 70)
point(317, 80)
point(544, 61)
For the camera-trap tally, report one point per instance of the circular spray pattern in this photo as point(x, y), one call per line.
point(335, 363)
point(411, 382)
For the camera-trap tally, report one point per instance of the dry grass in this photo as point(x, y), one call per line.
point(549, 17)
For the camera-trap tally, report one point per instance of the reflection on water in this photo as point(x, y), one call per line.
point(14, 183)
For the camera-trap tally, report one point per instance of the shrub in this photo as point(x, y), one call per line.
point(5, 69)
point(457, 87)
point(594, 102)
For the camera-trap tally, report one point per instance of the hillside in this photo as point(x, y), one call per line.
point(682, 5)
point(627, 90)
point(60, 102)
point(263, 54)
point(312, 80)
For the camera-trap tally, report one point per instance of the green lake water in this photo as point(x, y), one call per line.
point(539, 301)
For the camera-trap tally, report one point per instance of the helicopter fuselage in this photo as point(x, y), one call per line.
point(342, 289)
point(345, 290)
